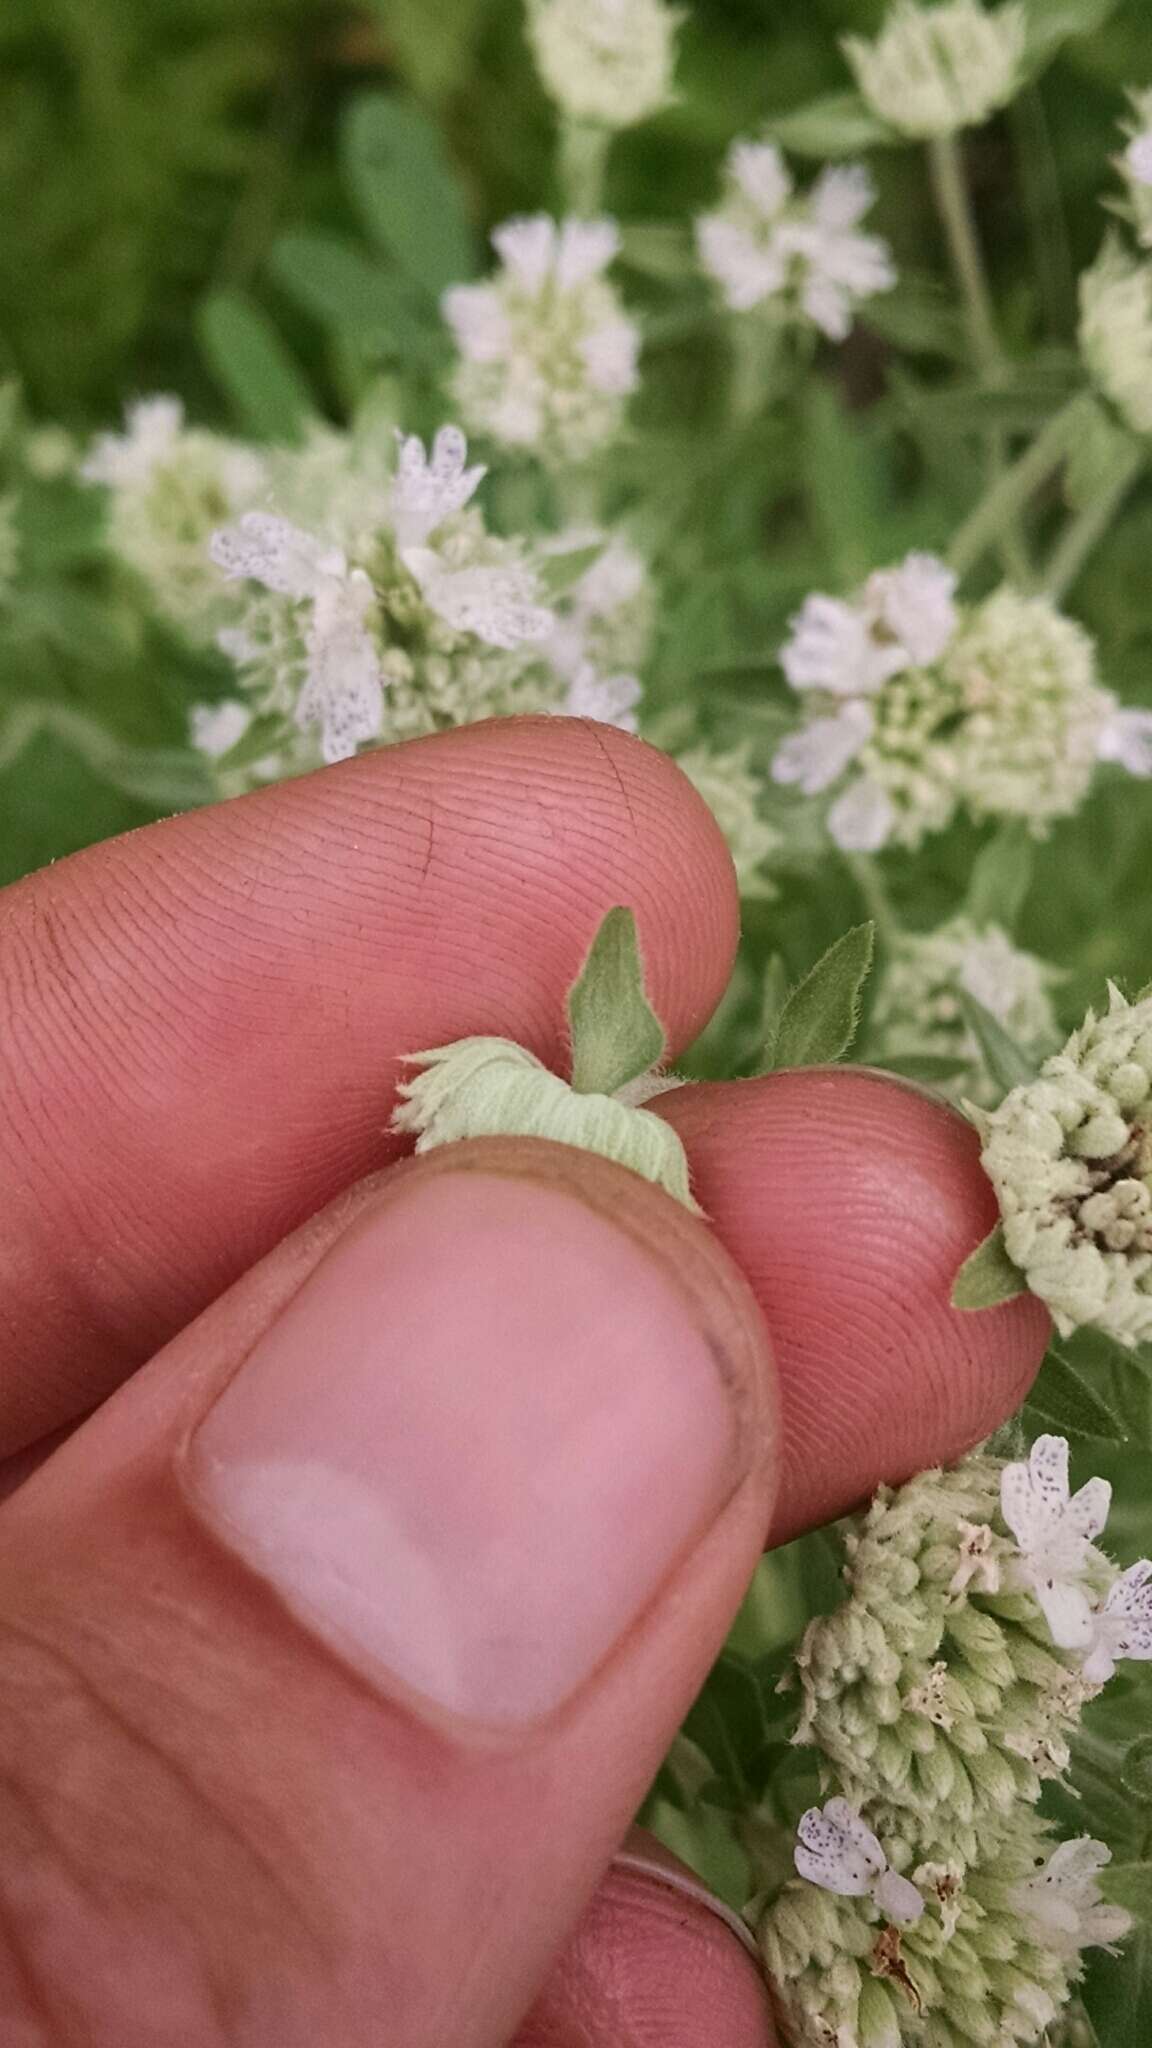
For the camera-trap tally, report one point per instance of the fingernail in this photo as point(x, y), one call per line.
point(474, 1445)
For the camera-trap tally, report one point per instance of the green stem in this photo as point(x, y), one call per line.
point(583, 162)
point(1011, 490)
point(866, 874)
point(1084, 532)
point(950, 187)
point(755, 346)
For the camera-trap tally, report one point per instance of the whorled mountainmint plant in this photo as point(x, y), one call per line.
point(932, 1903)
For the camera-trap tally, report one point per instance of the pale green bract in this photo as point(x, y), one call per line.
point(489, 1087)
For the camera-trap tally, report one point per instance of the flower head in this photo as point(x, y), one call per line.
point(796, 257)
point(547, 353)
point(1062, 1900)
point(934, 70)
point(414, 618)
point(1068, 1155)
point(606, 618)
point(610, 700)
point(917, 1010)
point(608, 62)
point(169, 485)
point(733, 792)
point(836, 1850)
point(1116, 332)
point(1055, 1530)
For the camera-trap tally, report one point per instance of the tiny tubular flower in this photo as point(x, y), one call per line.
point(610, 700)
point(799, 257)
point(1122, 1625)
point(215, 729)
point(1068, 1157)
point(548, 356)
point(606, 619)
point(606, 62)
point(837, 1851)
point(429, 489)
point(934, 70)
point(1055, 1530)
point(1062, 1900)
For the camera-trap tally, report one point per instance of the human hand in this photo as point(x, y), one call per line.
point(344, 1636)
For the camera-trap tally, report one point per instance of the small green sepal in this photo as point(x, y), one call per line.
point(988, 1276)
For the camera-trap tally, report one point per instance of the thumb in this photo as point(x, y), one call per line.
point(343, 1643)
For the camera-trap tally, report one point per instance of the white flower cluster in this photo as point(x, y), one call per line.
point(418, 618)
point(1116, 332)
point(793, 256)
point(917, 1010)
point(1135, 166)
point(934, 70)
point(170, 486)
point(915, 709)
point(931, 1902)
point(1070, 1158)
point(732, 791)
point(606, 62)
point(547, 353)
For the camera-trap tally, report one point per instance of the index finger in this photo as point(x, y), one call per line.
point(204, 1019)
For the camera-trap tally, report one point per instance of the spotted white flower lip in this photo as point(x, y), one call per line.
point(839, 1852)
point(428, 489)
point(1055, 1529)
point(1063, 1902)
point(1122, 1625)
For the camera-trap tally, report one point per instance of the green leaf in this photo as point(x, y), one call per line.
point(988, 1277)
point(773, 997)
point(818, 1021)
point(1052, 22)
point(1065, 1401)
point(1002, 876)
point(616, 1034)
point(1007, 1063)
point(252, 365)
point(933, 1068)
point(407, 192)
point(350, 293)
point(561, 572)
point(1130, 1885)
point(433, 46)
point(1136, 1768)
point(839, 125)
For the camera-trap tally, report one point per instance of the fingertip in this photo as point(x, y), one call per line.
point(850, 1202)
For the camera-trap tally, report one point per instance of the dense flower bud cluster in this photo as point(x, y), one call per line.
point(1116, 332)
point(1070, 1157)
point(607, 62)
point(932, 1902)
point(917, 1009)
point(934, 70)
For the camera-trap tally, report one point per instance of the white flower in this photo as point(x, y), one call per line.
point(610, 700)
point(979, 1566)
point(426, 491)
point(499, 604)
point(1116, 332)
point(837, 1851)
point(343, 686)
point(604, 621)
point(1062, 1902)
point(152, 431)
point(916, 603)
point(1122, 1625)
point(547, 354)
point(818, 754)
point(799, 255)
point(1138, 158)
point(1055, 1531)
point(917, 1010)
point(833, 648)
point(1126, 738)
point(608, 62)
point(933, 70)
point(216, 728)
point(864, 818)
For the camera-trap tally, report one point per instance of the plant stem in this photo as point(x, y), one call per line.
point(754, 347)
point(950, 186)
point(866, 874)
point(582, 164)
point(1090, 524)
point(1010, 491)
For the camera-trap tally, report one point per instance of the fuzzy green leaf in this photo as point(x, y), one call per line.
point(1064, 1400)
point(353, 295)
point(988, 1276)
point(836, 126)
point(616, 1034)
point(1007, 1063)
point(407, 192)
point(1136, 1769)
point(1052, 22)
point(1130, 1885)
point(433, 45)
point(252, 364)
point(818, 1021)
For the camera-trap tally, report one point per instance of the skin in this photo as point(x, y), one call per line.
point(217, 1828)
